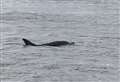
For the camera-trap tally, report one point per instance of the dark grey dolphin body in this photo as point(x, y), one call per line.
point(54, 43)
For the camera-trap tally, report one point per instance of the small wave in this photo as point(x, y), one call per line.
point(17, 16)
point(10, 43)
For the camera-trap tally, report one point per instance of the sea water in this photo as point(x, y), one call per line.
point(92, 24)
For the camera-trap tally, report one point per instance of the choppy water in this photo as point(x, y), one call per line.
point(92, 24)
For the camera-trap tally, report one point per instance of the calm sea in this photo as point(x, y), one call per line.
point(92, 24)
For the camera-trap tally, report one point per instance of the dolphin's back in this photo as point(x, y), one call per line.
point(56, 43)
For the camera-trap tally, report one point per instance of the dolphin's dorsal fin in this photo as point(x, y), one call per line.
point(28, 43)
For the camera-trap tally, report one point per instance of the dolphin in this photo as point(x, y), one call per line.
point(54, 43)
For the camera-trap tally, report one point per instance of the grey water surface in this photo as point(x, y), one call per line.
point(92, 24)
